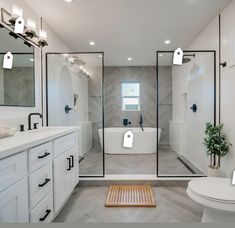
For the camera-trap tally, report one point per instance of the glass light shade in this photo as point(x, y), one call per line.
point(17, 11)
point(31, 24)
point(43, 35)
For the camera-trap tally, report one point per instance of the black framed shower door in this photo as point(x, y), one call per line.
point(160, 54)
point(98, 54)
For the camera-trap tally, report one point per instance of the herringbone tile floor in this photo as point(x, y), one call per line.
point(87, 206)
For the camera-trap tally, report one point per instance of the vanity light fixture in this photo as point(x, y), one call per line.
point(15, 23)
point(42, 38)
point(31, 27)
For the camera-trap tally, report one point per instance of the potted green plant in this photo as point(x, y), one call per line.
point(217, 147)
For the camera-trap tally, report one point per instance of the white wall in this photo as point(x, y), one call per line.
point(209, 40)
point(228, 83)
point(17, 115)
point(63, 84)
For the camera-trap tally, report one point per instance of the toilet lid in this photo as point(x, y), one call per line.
point(218, 189)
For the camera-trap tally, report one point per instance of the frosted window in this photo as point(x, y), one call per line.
point(130, 96)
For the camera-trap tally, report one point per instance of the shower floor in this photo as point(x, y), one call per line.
point(169, 164)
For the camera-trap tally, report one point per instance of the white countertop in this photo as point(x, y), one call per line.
point(29, 139)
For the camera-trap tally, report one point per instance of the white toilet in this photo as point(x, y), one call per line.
point(217, 195)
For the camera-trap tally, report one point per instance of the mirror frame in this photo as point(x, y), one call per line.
point(2, 24)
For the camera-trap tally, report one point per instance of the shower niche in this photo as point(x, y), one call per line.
point(185, 104)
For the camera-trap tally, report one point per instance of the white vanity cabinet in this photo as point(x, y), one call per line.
point(41, 183)
point(14, 203)
point(36, 183)
point(14, 189)
point(65, 169)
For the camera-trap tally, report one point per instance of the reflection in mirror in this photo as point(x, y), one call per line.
point(17, 85)
point(75, 99)
point(186, 102)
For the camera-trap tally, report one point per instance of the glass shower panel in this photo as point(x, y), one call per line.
point(74, 98)
point(186, 102)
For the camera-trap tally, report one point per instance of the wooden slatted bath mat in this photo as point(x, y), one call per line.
point(130, 196)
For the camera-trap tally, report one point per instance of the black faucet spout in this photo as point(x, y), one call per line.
point(30, 119)
point(141, 123)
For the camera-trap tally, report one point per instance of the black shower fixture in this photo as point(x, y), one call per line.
point(194, 108)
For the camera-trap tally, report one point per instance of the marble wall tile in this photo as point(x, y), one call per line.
point(19, 86)
point(114, 115)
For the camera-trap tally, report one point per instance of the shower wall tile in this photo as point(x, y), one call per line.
point(165, 116)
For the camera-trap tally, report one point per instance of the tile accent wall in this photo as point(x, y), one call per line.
point(114, 115)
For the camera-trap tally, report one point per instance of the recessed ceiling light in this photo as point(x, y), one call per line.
point(92, 43)
point(100, 56)
point(129, 59)
point(167, 41)
point(68, 1)
point(160, 55)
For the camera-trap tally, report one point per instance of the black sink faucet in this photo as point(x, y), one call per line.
point(141, 123)
point(30, 119)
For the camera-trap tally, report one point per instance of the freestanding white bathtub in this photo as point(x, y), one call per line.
point(145, 142)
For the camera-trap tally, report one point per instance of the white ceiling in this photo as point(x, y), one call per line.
point(128, 28)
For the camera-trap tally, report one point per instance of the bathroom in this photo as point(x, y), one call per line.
point(90, 104)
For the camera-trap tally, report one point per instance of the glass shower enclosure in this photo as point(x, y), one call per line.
point(75, 98)
point(186, 102)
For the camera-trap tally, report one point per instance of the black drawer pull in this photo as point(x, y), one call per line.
point(43, 156)
point(72, 157)
point(69, 159)
point(46, 182)
point(46, 215)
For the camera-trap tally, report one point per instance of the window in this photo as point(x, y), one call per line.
point(130, 96)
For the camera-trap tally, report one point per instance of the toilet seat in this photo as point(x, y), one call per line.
point(216, 193)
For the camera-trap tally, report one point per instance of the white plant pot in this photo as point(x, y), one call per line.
point(213, 172)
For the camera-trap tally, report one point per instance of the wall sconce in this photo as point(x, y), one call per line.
point(31, 28)
point(42, 38)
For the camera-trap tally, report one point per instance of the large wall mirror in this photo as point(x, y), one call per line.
point(17, 85)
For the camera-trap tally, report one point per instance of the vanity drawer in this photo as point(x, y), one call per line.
point(44, 212)
point(65, 143)
point(40, 156)
point(12, 170)
point(40, 184)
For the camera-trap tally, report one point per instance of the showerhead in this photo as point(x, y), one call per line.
point(187, 60)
